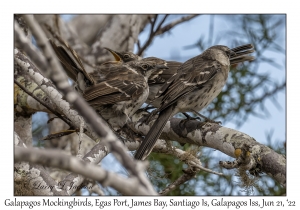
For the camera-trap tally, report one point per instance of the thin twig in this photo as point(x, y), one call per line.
point(153, 24)
point(188, 174)
point(160, 30)
point(175, 23)
point(31, 51)
point(152, 33)
point(189, 159)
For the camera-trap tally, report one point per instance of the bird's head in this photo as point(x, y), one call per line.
point(123, 56)
point(229, 52)
point(147, 67)
point(219, 53)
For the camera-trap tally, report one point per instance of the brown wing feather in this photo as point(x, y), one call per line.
point(98, 90)
point(117, 89)
point(109, 99)
point(192, 75)
point(162, 75)
point(70, 60)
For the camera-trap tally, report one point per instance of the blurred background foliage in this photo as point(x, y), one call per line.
point(248, 89)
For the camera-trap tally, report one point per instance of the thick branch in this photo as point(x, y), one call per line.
point(33, 179)
point(54, 158)
point(90, 23)
point(120, 33)
point(226, 140)
point(94, 156)
point(86, 111)
point(42, 103)
point(47, 87)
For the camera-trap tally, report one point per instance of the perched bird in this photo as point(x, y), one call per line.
point(120, 90)
point(197, 82)
point(159, 77)
point(75, 70)
point(116, 90)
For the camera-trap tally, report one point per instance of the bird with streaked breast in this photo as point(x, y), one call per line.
point(159, 77)
point(197, 82)
point(116, 90)
point(121, 90)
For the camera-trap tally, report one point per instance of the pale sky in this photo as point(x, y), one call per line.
point(187, 34)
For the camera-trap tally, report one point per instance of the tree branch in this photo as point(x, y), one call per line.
point(160, 30)
point(22, 42)
point(188, 175)
point(94, 156)
point(152, 33)
point(226, 140)
point(43, 103)
point(54, 158)
point(46, 85)
point(186, 157)
point(33, 179)
point(175, 23)
point(86, 111)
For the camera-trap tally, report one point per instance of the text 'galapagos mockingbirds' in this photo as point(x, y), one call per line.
point(197, 82)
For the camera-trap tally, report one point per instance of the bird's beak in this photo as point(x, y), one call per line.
point(114, 53)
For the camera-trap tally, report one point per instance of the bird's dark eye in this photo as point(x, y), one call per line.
point(145, 66)
point(126, 56)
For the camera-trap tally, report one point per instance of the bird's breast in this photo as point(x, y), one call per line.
point(201, 96)
point(136, 103)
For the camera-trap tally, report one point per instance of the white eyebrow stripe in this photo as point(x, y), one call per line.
point(205, 72)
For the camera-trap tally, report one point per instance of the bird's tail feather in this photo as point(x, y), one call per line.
point(148, 143)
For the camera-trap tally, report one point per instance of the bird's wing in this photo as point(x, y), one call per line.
point(191, 75)
point(116, 89)
point(160, 76)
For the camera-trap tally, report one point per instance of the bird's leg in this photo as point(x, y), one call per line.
point(129, 133)
point(206, 118)
point(147, 119)
point(188, 118)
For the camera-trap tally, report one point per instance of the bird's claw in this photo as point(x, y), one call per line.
point(146, 120)
point(188, 117)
